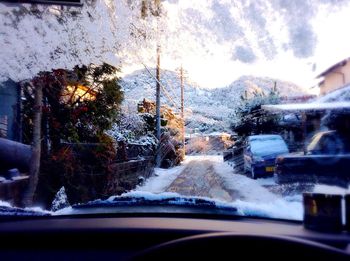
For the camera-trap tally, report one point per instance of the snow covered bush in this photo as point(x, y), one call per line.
point(129, 127)
point(133, 128)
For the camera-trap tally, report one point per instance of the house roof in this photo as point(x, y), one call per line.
point(341, 63)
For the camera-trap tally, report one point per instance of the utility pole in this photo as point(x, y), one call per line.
point(182, 108)
point(158, 133)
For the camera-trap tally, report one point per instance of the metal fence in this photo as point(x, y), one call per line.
point(234, 158)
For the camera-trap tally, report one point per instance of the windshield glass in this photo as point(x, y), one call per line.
point(141, 105)
point(268, 145)
point(329, 142)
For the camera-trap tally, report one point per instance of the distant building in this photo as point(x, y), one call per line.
point(335, 76)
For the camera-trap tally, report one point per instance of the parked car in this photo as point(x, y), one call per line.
point(325, 160)
point(260, 154)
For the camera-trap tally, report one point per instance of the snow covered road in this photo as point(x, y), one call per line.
point(199, 178)
point(210, 177)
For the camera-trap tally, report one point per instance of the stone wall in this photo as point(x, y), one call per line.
point(127, 175)
point(121, 177)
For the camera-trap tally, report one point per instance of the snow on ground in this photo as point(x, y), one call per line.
point(251, 197)
point(256, 200)
point(248, 189)
point(160, 180)
point(164, 177)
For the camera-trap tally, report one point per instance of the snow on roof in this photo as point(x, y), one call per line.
point(314, 106)
point(341, 94)
point(336, 100)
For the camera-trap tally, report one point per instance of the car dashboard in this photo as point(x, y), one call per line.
point(159, 236)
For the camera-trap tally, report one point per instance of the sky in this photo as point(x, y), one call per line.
point(217, 41)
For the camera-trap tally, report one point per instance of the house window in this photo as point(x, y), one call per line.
point(78, 92)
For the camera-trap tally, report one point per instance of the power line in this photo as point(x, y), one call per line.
point(162, 86)
point(166, 93)
point(174, 105)
point(172, 89)
point(169, 97)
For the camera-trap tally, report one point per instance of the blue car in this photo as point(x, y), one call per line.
point(260, 154)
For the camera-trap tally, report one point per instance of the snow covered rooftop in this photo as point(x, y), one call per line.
point(341, 94)
point(335, 100)
point(343, 105)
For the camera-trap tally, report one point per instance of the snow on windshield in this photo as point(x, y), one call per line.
point(6, 209)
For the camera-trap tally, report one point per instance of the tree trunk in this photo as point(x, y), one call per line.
point(36, 148)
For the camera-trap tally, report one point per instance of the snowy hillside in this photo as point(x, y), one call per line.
point(207, 110)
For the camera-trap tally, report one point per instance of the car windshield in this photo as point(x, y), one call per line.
point(239, 106)
point(328, 142)
point(268, 146)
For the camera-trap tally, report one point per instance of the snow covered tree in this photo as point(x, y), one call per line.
point(249, 118)
point(78, 106)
